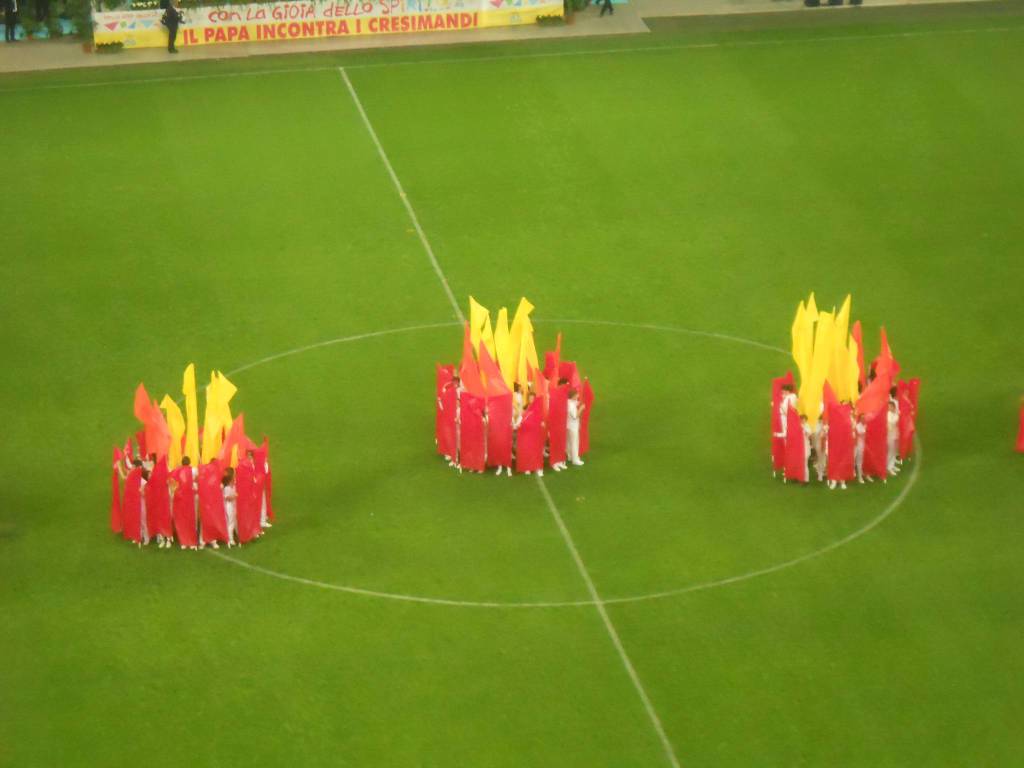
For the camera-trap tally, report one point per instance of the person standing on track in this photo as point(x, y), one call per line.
point(171, 19)
point(607, 6)
point(10, 21)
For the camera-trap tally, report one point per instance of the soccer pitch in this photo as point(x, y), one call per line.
point(665, 201)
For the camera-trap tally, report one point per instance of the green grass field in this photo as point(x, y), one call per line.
point(706, 182)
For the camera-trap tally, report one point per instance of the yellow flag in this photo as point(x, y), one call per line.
point(212, 425)
point(811, 394)
point(837, 372)
point(487, 338)
point(852, 391)
point(176, 425)
point(502, 347)
point(477, 313)
point(812, 307)
point(225, 391)
point(234, 455)
point(529, 345)
point(188, 389)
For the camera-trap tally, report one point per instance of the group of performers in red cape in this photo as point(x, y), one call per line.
point(197, 486)
point(847, 423)
point(200, 506)
point(501, 410)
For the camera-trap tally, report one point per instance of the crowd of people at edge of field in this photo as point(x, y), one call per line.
point(549, 420)
point(844, 444)
point(200, 506)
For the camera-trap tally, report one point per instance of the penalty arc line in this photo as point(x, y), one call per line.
point(566, 536)
point(612, 632)
point(516, 57)
point(405, 199)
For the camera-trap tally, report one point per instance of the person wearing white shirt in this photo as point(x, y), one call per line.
point(230, 508)
point(788, 401)
point(892, 424)
point(572, 428)
point(860, 430)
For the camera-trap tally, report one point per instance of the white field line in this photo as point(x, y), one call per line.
point(701, 586)
point(567, 538)
point(404, 197)
point(517, 57)
point(612, 632)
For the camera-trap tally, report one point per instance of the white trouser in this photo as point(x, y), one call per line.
point(232, 515)
point(143, 528)
point(263, 511)
point(572, 444)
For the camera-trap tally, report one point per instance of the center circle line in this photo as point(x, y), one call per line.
point(451, 602)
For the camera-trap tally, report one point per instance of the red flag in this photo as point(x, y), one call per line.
point(184, 507)
point(858, 336)
point(530, 438)
point(140, 440)
point(567, 370)
point(213, 519)
point(142, 404)
point(127, 453)
point(235, 436)
point(840, 443)
point(796, 453)
point(587, 399)
point(499, 430)
point(550, 365)
point(492, 373)
point(158, 502)
point(540, 389)
point(828, 399)
point(875, 398)
point(447, 435)
point(115, 491)
point(552, 361)
point(472, 438)
point(131, 508)
point(1020, 435)
point(248, 505)
point(885, 362)
point(778, 443)
point(158, 434)
point(469, 371)
point(876, 444)
point(558, 413)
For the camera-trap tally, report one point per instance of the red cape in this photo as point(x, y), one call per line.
point(262, 456)
point(115, 494)
point(907, 419)
point(444, 377)
point(796, 457)
point(184, 507)
point(841, 442)
point(248, 504)
point(530, 438)
point(876, 445)
point(213, 519)
point(778, 443)
point(158, 502)
point(471, 432)
point(587, 398)
point(447, 435)
point(558, 413)
point(499, 431)
point(131, 509)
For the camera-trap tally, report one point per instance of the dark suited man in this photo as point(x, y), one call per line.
point(171, 19)
point(607, 6)
point(10, 20)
